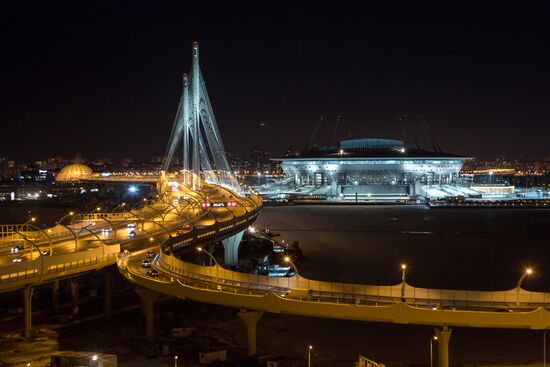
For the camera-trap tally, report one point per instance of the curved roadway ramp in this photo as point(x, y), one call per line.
point(401, 304)
point(95, 241)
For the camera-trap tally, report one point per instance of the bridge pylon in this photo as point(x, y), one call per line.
point(204, 156)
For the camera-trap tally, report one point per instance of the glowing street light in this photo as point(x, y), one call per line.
point(403, 281)
point(287, 260)
point(175, 361)
point(200, 249)
point(309, 348)
point(526, 273)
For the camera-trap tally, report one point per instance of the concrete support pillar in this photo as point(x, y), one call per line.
point(55, 295)
point(443, 337)
point(148, 298)
point(27, 311)
point(231, 248)
point(251, 319)
point(108, 286)
point(74, 296)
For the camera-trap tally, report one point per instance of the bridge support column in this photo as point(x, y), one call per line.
point(443, 337)
point(251, 319)
point(148, 298)
point(108, 285)
point(231, 249)
point(27, 311)
point(55, 295)
point(74, 296)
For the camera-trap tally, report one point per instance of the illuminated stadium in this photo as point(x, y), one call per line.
point(370, 168)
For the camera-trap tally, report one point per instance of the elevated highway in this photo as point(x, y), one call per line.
point(296, 295)
point(92, 241)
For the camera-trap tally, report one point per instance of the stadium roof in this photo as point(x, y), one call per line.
point(369, 148)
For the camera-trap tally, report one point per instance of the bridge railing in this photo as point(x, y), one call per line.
point(9, 235)
point(199, 235)
point(118, 216)
point(353, 293)
point(365, 362)
point(43, 267)
point(8, 232)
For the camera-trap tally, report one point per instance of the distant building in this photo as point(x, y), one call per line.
point(371, 167)
point(74, 172)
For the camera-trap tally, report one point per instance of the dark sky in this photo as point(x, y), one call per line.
point(104, 78)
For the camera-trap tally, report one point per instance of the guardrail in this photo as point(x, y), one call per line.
point(212, 232)
point(44, 268)
point(365, 362)
point(352, 293)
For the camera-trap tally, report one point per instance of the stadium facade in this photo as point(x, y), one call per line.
point(370, 168)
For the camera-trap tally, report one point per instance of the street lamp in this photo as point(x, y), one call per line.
point(200, 249)
point(432, 349)
point(403, 281)
point(70, 214)
point(175, 361)
point(309, 355)
point(526, 273)
point(288, 261)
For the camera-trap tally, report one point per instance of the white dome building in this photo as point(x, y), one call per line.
point(74, 172)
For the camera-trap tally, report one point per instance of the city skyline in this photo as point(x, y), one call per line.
point(111, 74)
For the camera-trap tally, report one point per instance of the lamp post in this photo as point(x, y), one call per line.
point(27, 224)
point(288, 261)
point(175, 361)
point(309, 348)
point(403, 281)
point(432, 349)
point(32, 219)
point(200, 249)
point(45, 233)
point(70, 214)
point(526, 273)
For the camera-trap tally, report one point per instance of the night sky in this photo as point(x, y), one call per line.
point(104, 78)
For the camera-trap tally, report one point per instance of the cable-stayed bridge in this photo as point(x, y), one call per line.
point(184, 215)
point(204, 156)
point(202, 202)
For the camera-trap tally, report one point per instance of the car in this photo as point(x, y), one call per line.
point(131, 225)
point(187, 227)
point(46, 253)
point(146, 263)
point(206, 204)
point(153, 273)
point(132, 234)
point(106, 229)
point(150, 254)
point(18, 259)
point(16, 249)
